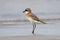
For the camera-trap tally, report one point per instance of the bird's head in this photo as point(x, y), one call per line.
point(27, 10)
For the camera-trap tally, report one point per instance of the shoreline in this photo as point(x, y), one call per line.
point(25, 20)
point(31, 37)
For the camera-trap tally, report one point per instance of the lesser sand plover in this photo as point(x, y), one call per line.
point(32, 18)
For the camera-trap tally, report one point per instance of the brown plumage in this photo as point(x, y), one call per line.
point(31, 15)
point(33, 18)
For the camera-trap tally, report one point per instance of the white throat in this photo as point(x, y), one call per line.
point(26, 12)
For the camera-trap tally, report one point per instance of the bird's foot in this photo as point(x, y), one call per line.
point(32, 32)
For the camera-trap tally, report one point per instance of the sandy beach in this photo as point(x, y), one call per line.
point(15, 26)
point(31, 37)
point(50, 31)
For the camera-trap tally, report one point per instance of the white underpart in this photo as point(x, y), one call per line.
point(32, 20)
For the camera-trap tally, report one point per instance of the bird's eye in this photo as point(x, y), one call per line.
point(26, 10)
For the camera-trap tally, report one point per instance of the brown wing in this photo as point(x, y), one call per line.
point(34, 17)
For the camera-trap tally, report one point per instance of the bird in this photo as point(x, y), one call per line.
point(32, 18)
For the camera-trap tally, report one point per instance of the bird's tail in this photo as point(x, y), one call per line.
point(42, 22)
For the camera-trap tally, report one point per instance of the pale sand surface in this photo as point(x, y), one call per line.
point(31, 37)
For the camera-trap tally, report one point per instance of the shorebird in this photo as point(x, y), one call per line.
point(32, 18)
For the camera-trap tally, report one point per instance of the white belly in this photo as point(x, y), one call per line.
point(31, 20)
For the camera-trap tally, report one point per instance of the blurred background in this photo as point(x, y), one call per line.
point(12, 9)
point(11, 14)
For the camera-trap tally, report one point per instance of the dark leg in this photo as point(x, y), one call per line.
point(34, 26)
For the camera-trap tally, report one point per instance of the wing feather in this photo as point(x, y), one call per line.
point(34, 17)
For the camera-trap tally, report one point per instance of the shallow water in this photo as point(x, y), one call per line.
point(12, 9)
point(25, 28)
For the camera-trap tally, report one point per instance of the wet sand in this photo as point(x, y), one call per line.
point(31, 37)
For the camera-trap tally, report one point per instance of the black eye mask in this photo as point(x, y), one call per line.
point(26, 10)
